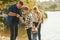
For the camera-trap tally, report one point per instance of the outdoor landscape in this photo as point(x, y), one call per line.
point(45, 7)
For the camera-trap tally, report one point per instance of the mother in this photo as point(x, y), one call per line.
point(37, 20)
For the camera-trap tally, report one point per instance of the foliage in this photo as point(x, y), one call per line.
point(30, 3)
point(6, 3)
point(53, 6)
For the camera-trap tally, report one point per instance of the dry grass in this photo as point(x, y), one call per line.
point(5, 35)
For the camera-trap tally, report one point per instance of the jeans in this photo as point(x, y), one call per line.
point(13, 30)
point(39, 29)
point(34, 36)
point(29, 33)
point(39, 32)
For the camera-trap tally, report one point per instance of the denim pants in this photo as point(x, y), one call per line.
point(29, 33)
point(39, 32)
point(34, 36)
point(39, 29)
point(13, 30)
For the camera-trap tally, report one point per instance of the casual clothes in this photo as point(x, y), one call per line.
point(34, 35)
point(37, 18)
point(14, 9)
point(28, 22)
point(29, 33)
point(13, 21)
point(13, 31)
point(31, 20)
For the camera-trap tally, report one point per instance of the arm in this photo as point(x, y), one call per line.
point(20, 18)
point(11, 11)
point(12, 14)
point(28, 21)
point(40, 20)
point(17, 15)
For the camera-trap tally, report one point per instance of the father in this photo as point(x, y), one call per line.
point(14, 14)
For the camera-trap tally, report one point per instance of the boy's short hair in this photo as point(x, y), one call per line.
point(25, 8)
point(34, 8)
point(20, 2)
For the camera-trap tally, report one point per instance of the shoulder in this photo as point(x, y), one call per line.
point(12, 6)
point(21, 10)
point(30, 14)
point(39, 13)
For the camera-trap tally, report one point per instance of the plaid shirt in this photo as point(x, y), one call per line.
point(29, 20)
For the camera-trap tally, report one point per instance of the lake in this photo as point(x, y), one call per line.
point(50, 29)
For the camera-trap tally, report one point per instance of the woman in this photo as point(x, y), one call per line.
point(37, 20)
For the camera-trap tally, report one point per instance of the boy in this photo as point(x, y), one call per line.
point(28, 21)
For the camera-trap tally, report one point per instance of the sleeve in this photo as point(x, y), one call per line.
point(11, 9)
point(40, 17)
point(28, 20)
point(20, 12)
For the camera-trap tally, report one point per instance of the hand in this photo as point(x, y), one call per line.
point(18, 16)
point(21, 19)
point(37, 27)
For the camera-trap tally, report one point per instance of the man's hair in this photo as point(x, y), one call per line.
point(20, 2)
point(25, 8)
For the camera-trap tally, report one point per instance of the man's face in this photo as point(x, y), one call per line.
point(26, 11)
point(19, 5)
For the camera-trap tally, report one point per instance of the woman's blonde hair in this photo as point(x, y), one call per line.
point(35, 8)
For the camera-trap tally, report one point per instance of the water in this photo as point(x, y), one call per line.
point(50, 29)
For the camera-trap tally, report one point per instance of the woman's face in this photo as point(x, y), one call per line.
point(35, 11)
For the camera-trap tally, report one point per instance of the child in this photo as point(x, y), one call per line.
point(28, 21)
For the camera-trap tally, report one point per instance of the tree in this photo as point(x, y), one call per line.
point(53, 6)
point(5, 3)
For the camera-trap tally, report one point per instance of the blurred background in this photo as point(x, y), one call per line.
point(46, 7)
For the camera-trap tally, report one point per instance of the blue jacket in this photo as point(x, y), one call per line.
point(13, 19)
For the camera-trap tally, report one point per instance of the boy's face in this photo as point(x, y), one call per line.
point(26, 11)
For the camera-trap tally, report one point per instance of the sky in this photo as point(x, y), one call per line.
point(43, 0)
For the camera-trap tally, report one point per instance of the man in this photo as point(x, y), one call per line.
point(14, 14)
